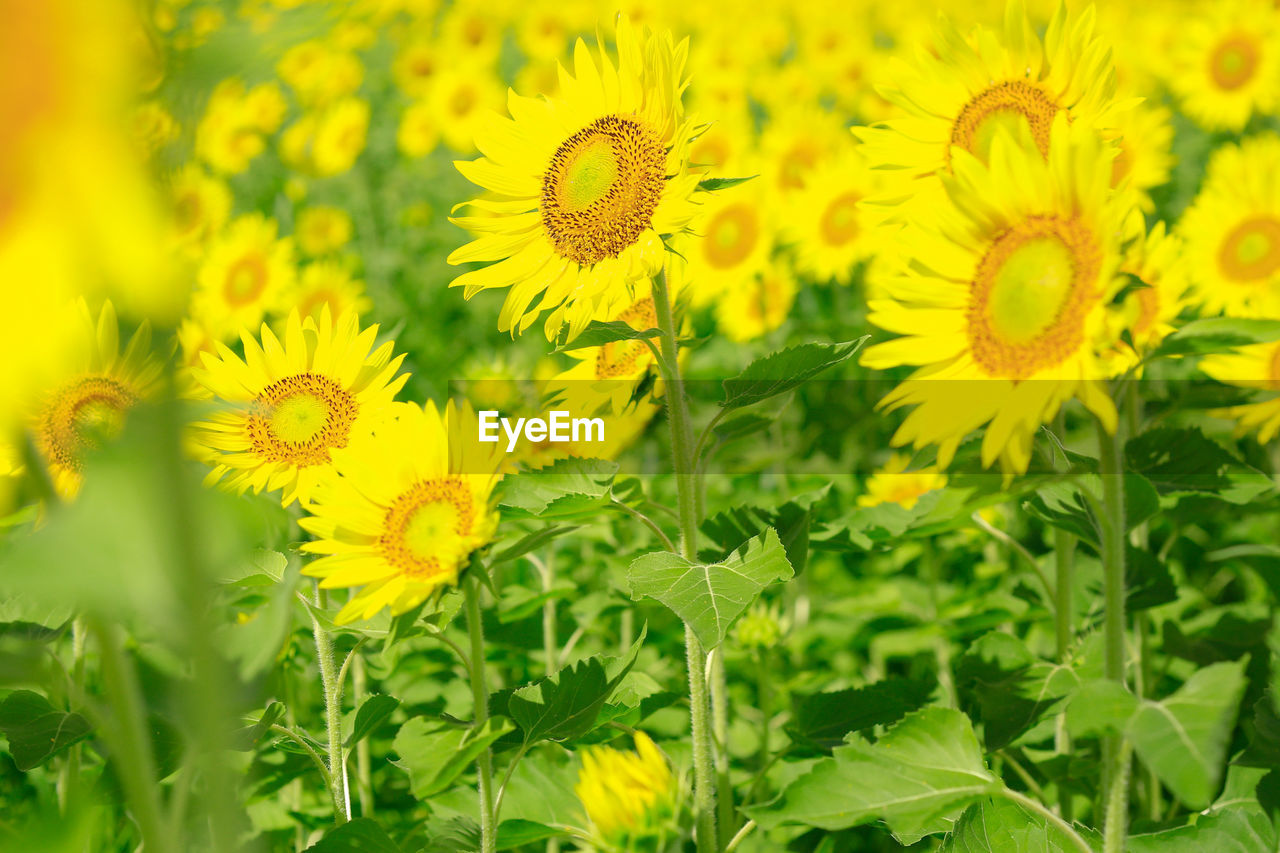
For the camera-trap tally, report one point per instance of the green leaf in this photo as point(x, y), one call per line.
point(373, 712)
point(1007, 688)
point(247, 737)
point(999, 824)
point(713, 184)
point(518, 602)
point(823, 720)
point(1183, 738)
point(360, 835)
point(781, 371)
point(599, 332)
point(1218, 334)
point(567, 488)
point(1100, 708)
point(565, 706)
point(517, 833)
point(36, 730)
point(731, 529)
point(918, 778)
point(435, 753)
point(741, 426)
point(1185, 461)
point(530, 543)
point(710, 598)
point(1232, 831)
point(1062, 505)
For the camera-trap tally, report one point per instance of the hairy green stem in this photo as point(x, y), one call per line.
point(1112, 512)
point(332, 722)
point(130, 745)
point(480, 694)
point(720, 733)
point(549, 652)
point(364, 761)
point(704, 783)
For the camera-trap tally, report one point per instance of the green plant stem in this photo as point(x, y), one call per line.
point(720, 732)
point(1066, 828)
point(704, 784)
point(69, 772)
point(130, 745)
point(764, 701)
point(332, 722)
point(549, 652)
point(364, 761)
point(480, 694)
point(1112, 512)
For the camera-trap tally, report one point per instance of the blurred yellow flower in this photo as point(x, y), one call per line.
point(416, 65)
point(402, 508)
point(320, 74)
point(893, 483)
point(1255, 366)
point(201, 204)
point(327, 142)
point(1227, 62)
point(1155, 258)
point(830, 233)
point(1232, 230)
point(244, 275)
point(586, 184)
point(624, 793)
point(328, 284)
point(289, 404)
point(754, 307)
point(321, 229)
point(231, 132)
point(461, 100)
point(419, 133)
point(737, 233)
point(86, 406)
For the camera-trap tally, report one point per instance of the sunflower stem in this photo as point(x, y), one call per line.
point(332, 721)
point(480, 693)
point(364, 760)
point(1112, 518)
point(704, 782)
point(69, 772)
point(1064, 550)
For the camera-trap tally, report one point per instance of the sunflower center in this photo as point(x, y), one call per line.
point(1005, 105)
point(299, 419)
point(426, 527)
point(839, 223)
point(602, 187)
point(1030, 294)
point(731, 235)
point(82, 415)
point(796, 163)
point(619, 358)
point(1148, 309)
point(246, 279)
point(1234, 62)
point(1251, 251)
point(187, 212)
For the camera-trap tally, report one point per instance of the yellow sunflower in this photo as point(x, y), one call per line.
point(1156, 260)
point(894, 484)
point(830, 232)
point(625, 792)
point(87, 405)
point(327, 284)
point(201, 204)
point(288, 405)
point(1003, 305)
point(758, 305)
point(321, 229)
point(1144, 135)
point(461, 101)
point(401, 509)
point(244, 275)
point(737, 233)
point(960, 94)
point(586, 185)
point(1232, 230)
point(1255, 366)
point(419, 132)
point(1227, 62)
point(611, 371)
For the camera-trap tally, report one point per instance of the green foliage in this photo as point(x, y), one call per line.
point(36, 730)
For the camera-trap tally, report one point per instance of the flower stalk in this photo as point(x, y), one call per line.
point(333, 722)
point(1112, 521)
point(480, 693)
point(704, 783)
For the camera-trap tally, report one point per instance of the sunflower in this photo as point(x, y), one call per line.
point(799, 139)
point(321, 229)
point(1155, 259)
point(419, 134)
point(738, 234)
point(894, 484)
point(829, 230)
point(611, 371)
point(327, 284)
point(1227, 62)
point(416, 65)
point(319, 73)
point(87, 405)
point(1255, 366)
point(757, 305)
point(461, 100)
point(401, 508)
point(244, 275)
point(969, 87)
point(1004, 301)
point(623, 793)
point(1232, 230)
point(201, 204)
point(587, 185)
point(288, 406)
point(1144, 135)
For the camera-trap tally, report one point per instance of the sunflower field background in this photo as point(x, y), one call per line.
point(935, 352)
